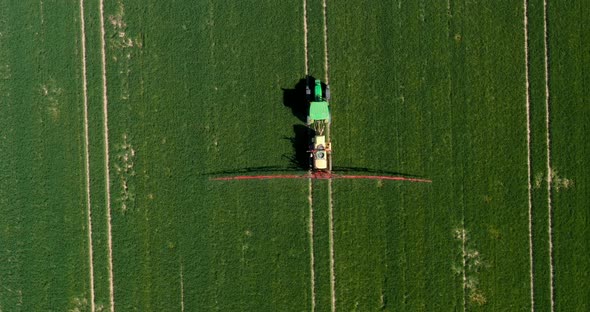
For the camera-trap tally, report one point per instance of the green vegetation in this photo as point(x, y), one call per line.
point(321, 237)
point(43, 237)
point(445, 82)
point(195, 79)
point(570, 117)
point(435, 90)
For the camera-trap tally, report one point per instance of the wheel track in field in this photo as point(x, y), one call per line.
point(549, 170)
point(330, 193)
point(181, 287)
point(528, 141)
point(87, 158)
point(326, 63)
point(331, 238)
point(311, 248)
point(305, 37)
point(106, 150)
point(463, 238)
point(310, 184)
point(309, 181)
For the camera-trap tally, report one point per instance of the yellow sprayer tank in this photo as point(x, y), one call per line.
point(320, 155)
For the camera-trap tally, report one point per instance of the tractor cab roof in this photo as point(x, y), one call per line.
point(319, 111)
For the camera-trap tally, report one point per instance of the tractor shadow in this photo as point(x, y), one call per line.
point(303, 166)
point(301, 143)
point(296, 101)
point(365, 170)
point(298, 160)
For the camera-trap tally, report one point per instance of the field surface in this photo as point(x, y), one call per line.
point(115, 115)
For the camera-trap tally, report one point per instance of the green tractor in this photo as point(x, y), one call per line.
point(319, 119)
point(319, 112)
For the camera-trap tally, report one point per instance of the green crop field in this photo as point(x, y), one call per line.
point(115, 115)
